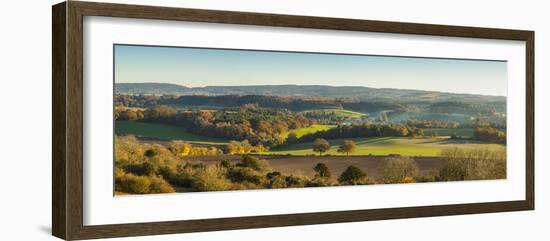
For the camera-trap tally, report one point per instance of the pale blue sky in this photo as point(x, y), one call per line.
point(198, 67)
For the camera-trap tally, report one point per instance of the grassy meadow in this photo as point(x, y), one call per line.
point(405, 146)
point(309, 130)
point(337, 112)
point(162, 132)
point(382, 146)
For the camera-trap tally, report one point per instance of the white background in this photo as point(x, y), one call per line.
point(25, 52)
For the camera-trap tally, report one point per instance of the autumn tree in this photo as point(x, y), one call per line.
point(179, 148)
point(322, 170)
point(129, 114)
point(417, 132)
point(490, 134)
point(353, 176)
point(403, 131)
point(400, 169)
point(321, 145)
point(160, 112)
point(348, 146)
point(234, 147)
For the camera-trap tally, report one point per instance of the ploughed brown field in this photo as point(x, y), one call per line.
point(303, 165)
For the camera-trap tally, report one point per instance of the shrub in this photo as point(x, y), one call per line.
point(182, 178)
point(475, 164)
point(353, 176)
point(160, 155)
point(243, 147)
point(407, 180)
point(142, 169)
point(243, 186)
point(226, 164)
point(180, 148)
point(397, 169)
point(246, 174)
point(127, 150)
point(211, 178)
point(322, 170)
point(276, 180)
point(254, 163)
point(249, 161)
point(119, 172)
point(431, 176)
point(151, 153)
point(295, 181)
point(319, 182)
point(159, 185)
point(196, 165)
point(130, 183)
point(273, 175)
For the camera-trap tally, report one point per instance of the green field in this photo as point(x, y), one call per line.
point(338, 112)
point(390, 145)
point(163, 132)
point(422, 114)
point(365, 146)
point(449, 131)
point(311, 129)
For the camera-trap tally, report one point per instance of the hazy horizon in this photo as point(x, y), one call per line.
point(343, 86)
point(201, 67)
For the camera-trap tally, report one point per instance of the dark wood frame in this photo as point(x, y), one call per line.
point(67, 164)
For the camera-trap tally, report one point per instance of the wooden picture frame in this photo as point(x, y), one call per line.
point(67, 76)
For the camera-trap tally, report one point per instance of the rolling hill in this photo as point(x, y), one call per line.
point(357, 92)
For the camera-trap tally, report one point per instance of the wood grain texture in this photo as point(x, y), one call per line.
point(75, 125)
point(58, 121)
point(67, 78)
point(155, 228)
point(530, 120)
point(279, 20)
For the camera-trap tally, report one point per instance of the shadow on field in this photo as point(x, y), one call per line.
point(303, 165)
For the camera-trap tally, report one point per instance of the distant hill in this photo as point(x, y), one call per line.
point(150, 88)
point(356, 92)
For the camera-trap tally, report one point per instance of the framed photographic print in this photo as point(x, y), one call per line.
point(171, 120)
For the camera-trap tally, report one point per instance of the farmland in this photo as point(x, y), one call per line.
point(465, 132)
point(162, 132)
point(303, 165)
point(338, 112)
point(311, 129)
point(216, 142)
point(171, 132)
point(390, 145)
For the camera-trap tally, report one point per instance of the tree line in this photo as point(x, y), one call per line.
point(490, 134)
point(484, 109)
point(362, 130)
point(293, 103)
point(321, 145)
point(265, 126)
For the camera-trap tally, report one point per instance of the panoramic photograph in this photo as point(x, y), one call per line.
point(202, 119)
